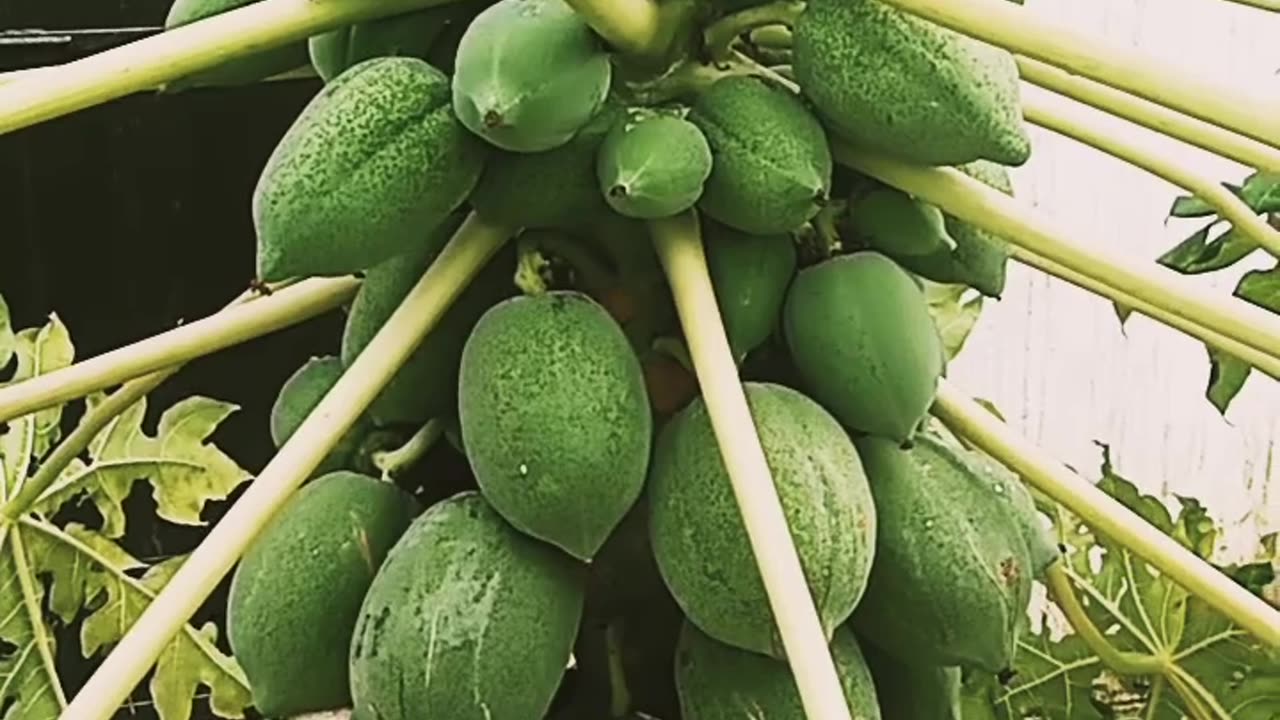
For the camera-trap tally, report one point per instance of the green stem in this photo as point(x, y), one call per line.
point(1105, 514)
point(176, 53)
point(231, 326)
point(394, 462)
point(469, 249)
point(1209, 97)
point(721, 35)
point(639, 28)
point(772, 37)
point(1120, 661)
point(1270, 5)
point(619, 693)
point(679, 243)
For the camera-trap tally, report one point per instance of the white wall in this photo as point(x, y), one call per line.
point(1054, 358)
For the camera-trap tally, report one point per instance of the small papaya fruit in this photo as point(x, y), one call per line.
point(296, 594)
point(529, 74)
point(952, 578)
point(722, 682)
point(898, 225)
point(426, 385)
point(411, 34)
point(299, 395)
point(701, 546)
point(653, 165)
point(750, 275)
point(902, 85)
point(771, 168)
point(468, 619)
point(553, 189)
point(864, 343)
point(913, 691)
point(555, 418)
point(242, 70)
point(375, 160)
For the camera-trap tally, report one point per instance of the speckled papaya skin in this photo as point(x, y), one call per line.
point(298, 397)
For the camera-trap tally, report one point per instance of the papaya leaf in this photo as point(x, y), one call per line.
point(28, 438)
point(29, 685)
point(1227, 376)
point(1261, 192)
point(955, 310)
point(184, 470)
point(1190, 206)
point(7, 339)
point(1198, 254)
point(1261, 287)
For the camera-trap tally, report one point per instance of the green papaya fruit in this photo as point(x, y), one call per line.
point(410, 34)
point(299, 395)
point(555, 188)
point(902, 85)
point(701, 545)
point(375, 160)
point(467, 619)
point(529, 74)
point(555, 418)
point(243, 70)
point(296, 593)
point(722, 682)
point(653, 165)
point(750, 275)
point(952, 578)
point(863, 341)
point(772, 167)
point(426, 385)
point(898, 225)
point(913, 691)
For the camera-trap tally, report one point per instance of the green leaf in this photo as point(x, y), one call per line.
point(29, 686)
point(1261, 192)
point(1197, 254)
point(185, 472)
point(1190, 206)
point(1227, 375)
point(1262, 288)
point(955, 310)
point(7, 339)
point(28, 438)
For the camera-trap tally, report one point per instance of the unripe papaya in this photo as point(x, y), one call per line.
point(297, 591)
point(863, 340)
point(467, 619)
point(750, 274)
point(952, 577)
point(426, 385)
point(902, 85)
point(913, 691)
point(556, 188)
point(242, 70)
point(898, 225)
point(653, 165)
point(408, 34)
point(555, 418)
point(701, 545)
point(529, 74)
point(772, 167)
point(722, 682)
point(299, 395)
point(375, 160)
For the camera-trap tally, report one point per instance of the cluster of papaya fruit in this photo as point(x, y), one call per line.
point(596, 564)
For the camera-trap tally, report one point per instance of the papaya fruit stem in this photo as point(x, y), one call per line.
point(719, 37)
point(635, 27)
point(679, 244)
point(1066, 117)
point(1123, 662)
point(1192, 131)
point(969, 420)
point(1202, 95)
point(772, 37)
point(1163, 291)
point(219, 331)
point(619, 693)
point(159, 59)
point(392, 463)
point(467, 251)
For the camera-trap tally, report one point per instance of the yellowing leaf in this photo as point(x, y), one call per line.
point(28, 438)
point(955, 310)
point(29, 687)
point(7, 339)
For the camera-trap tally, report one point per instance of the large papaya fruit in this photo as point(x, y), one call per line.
point(863, 340)
point(750, 274)
point(296, 593)
point(913, 691)
point(903, 85)
point(374, 161)
point(410, 34)
point(299, 395)
point(722, 682)
point(555, 188)
point(653, 165)
point(701, 545)
point(242, 70)
point(529, 74)
point(772, 167)
point(555, 418)
point(952, 577)
point(426, 385)
point(467, 619)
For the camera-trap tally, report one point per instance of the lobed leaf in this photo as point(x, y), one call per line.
point(1198, 254)
point(28, 438)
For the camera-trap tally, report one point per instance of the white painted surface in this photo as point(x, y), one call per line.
point(1054, 358)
